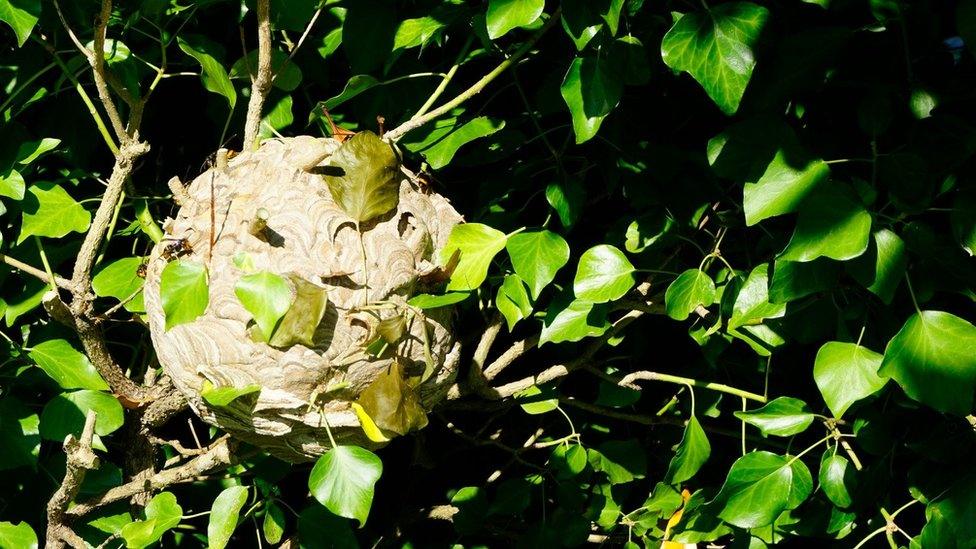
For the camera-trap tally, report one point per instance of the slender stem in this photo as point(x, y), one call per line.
point(668, 378)
point(417, 121)
point(24, 86)
point(44, 261)
point(111, 228)
point(34, 271)
point(911, 292)
point(445, 80)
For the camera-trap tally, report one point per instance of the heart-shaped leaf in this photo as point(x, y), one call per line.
point(163, 513)
point(367, 186)
point(536, 257)
point(759, 487)
point(692, 453)
point(604, 274)
point(837, 479)
point(303, 316)
point(478, 245)
point(512, 301)
point(50, 211)
point(183, 292)
point(691, 289)
point(392, 403)
point(342, 480)
point(67, 366)
point(846, 373)
point(267, 297)
point(505, 15)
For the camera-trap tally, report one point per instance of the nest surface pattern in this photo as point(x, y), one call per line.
point(310, 236)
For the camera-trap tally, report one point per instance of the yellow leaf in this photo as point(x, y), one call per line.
point(369, 426)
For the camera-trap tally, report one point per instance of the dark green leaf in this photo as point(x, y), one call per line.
point(567, 199)
point(716, 48)
point(759, 487)
point(783, 416)
point(931, 358)
point(355, 86)
point(793, 280)
point(591, 89)
point(622, 460)
point(693, 451)
point(368, 185)
point(342, 480)
point(441, 144)
point(303, 316)
point(837, 479)
point(392, 403)
point(882, 267)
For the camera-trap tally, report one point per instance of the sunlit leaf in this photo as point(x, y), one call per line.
point(759, 487)
point(368, 185)
point(692, 288)
point(273, 525)
point(752, 302)
point(692, 452)
point(30, 151)
point(373, 432)
point(846, 373)
point(536, 257)
point(478, 244)
point(428, 301)
point(831, 224)
point(837, 479)
point(573, 321)
point(716, 48)
point(19, 434)
point(354, 86)
point(783, 416)
point(214, 76)
point(267, 297)
point(65, 414)
point(932, 359)
point(183, 291)
point(604, 274)
point(505, 15)
point(342, 480)
point(512, 301)
point(784, 185)
point(21, 16)
point(442, 143)
point(591, 89)
point(223, 396)
point(66, 366)
point(535, 400)
point(50, 211)
point(120, 279)
point(163, 513)
point(224, 516)
point(882, 268)
point(19, 536)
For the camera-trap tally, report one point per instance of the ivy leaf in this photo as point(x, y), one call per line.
point(793, 280)
point(837, 479)
point(535, 401)
point(567, 462)
point(50, 211)
point(567, 198)
point(65, 414)
point(512, 301)
point(621, 460)
point(213, 75)
point(591, 89)
point(12, 184)
point(224, 516)
point(752, 303)
point(303, 316)
point(421, 30)
point(445, 138)
point(691, 289)
point(367, 186)
point(505, 15)
point(932, 359)
point(428, 301)
point(19, 435)
point(21, 16)
point(392, 403)
point(356, 85)
point(183, 292)
point(831, 224)
point(221, 397)
point(267, 297)
point(784, 185)
point(882, 267)
point(66, 366)
point(784, 416)
point(581, 21)
point(693, 451)
point(759, 487)
point(604, 274)
point(716, 49)
point(30, 151)
point(573, 321)
point(20, 535)
point(163, 513)
point(342, 480)
point(846, 373)
point(478, 244)
point(273, 525)
point(536, 257)
point(120, 280)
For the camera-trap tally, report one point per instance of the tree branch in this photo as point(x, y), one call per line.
point(34, 271)
point(261, 82)
point(80, 459)
point(417, 121)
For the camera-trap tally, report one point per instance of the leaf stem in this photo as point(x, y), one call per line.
point(47, 266)
point(446, 79)
point(668, 378)
point(911, 292)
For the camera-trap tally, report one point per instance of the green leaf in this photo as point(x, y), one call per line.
point(163, 513)
point(17, 536)
point(287, 75)
point(604, 274)
point(581, 21)
point(342, 480)
point(573, 322)
point(505, 15)
point(535, 401)
point(783, 417)
point(224, 515)
point(66, 366)
point(12, 185)
point(622, 460)
point(478, 244)
point(932, 359)
point(693, 451)
point(21, 16)
point(215, 78)
point(759, 487)
point(19, 434)
point(845, 374)
point(691, 289)
point(782, 187)
point(50, 211)
point(303, 316)
point(567, 198)
point(591, 89)
point(221, 397)
point(837, 479)
point(831, 224)
point(368, 186)
point(963, 215)
point(442, 143)
point(793, 280)
point(612, 15)
point(267, 297)
point(412, 33)
point(356, 85)
point(393, 403)
point(957, 506)
point(428, 301)
point(512, 301)
point(648, 230)
point(120, 279)
point(30, 151)
point(882, 267)
point(716, 49)
point(273, 525)
point(65, 414)
point(183, 292)
point(536, 257)
point(568, 461)
point(752, 303)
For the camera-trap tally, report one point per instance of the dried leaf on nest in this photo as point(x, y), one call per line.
point(367, 185)
point(393, 403)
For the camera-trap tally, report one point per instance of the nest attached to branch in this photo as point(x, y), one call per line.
point(274, 208)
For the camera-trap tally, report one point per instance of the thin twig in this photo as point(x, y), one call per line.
point(34, 271)
point(261, 82)
point(417, 121)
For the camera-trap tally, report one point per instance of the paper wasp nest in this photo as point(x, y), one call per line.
point(308, 238)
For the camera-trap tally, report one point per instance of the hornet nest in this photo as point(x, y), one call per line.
point(364, 356)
